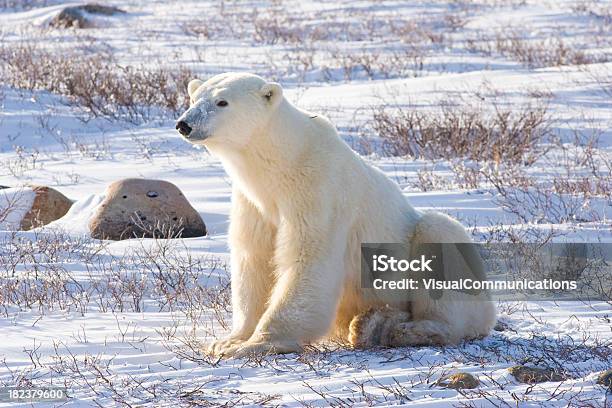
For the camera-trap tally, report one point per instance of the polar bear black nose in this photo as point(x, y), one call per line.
point(183, 128)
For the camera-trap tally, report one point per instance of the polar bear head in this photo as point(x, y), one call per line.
point(228, 109)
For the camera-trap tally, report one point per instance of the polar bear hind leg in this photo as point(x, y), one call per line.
point(454, 317)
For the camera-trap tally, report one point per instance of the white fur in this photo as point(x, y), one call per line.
point(303, 201)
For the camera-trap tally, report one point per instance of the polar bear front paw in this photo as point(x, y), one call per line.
point(220, 347)
point(252, 348)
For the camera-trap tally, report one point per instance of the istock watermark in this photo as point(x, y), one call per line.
point(384, 263)
point(509, 271)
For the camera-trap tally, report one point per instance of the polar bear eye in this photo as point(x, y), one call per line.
point(222, 103)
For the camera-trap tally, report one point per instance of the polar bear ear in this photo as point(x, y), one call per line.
point(272, 92)
point(193, 85)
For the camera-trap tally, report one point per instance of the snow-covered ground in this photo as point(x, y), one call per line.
point(129, 340)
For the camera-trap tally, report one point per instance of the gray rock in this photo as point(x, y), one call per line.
point(533, 375)
point(459, 381)
point(501, 326)
point(77, 16)
point(145, 208)
point(94, 8)
point(605, 379)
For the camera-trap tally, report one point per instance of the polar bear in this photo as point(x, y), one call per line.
point(302, 203)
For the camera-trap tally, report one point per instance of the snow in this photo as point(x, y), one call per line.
point(139, 354)
point(77, 219)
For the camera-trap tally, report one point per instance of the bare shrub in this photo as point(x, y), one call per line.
point(197, 28)
point(541, 53)
point(26, 160)
point(537, 204)
point(35, 273)
point(534, 252)
point(602, 77)
point(402, 61)
point(417, 31)
point(309, 39)
point(283, 23)
point(507, 135)
point(594, 8)
point(428, 180)
point(96, 82)
point(215, 25)
point(566, 198)
point(533, 53)
point(455, 21)
point(9, 203)
point(274, 25)
point(467, 175)
point(25, 4)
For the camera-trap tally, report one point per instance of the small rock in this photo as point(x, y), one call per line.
point(145, 208)
point(94, 8)
point(459, 381)
point(500, 326)
point(70, 17)
point(49, 205)
point(532, 375)
point(605, 379)
point(76, 16)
